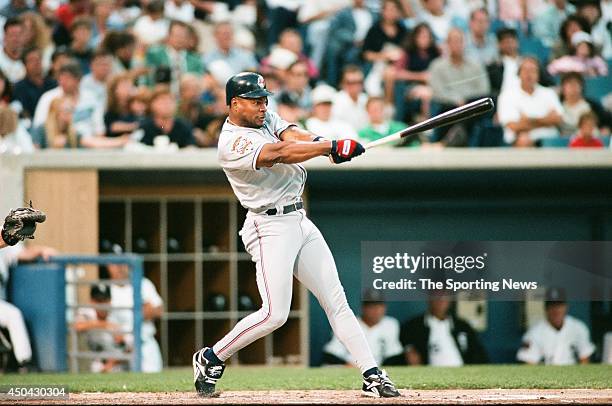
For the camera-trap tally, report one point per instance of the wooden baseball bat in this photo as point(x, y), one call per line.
point(461, 113)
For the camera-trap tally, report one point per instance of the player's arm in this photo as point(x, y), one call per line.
point(291, 152)
point(294, 133)
point(150, 312)
point(2, 243)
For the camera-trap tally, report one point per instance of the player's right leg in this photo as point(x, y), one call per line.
point(273, 242)
point(316, 269)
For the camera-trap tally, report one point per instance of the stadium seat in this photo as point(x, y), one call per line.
point(533, 46)
point(597, 87)
point(557, 142)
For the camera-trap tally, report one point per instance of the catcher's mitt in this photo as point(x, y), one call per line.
point(21, 224)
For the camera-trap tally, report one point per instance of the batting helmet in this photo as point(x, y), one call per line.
point(249, 85)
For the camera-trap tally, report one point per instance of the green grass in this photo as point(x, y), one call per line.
point(269, 378)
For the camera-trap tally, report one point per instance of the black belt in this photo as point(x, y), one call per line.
point(287, 209)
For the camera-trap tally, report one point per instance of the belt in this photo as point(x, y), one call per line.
point(287, 209)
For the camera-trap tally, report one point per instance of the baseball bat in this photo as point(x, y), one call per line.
point(455, 115)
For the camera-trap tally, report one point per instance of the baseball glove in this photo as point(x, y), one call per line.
point(21, 224)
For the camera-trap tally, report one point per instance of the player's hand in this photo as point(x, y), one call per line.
point(345, 150)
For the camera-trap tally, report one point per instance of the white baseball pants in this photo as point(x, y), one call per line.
point(12, 320)
point(283, 246)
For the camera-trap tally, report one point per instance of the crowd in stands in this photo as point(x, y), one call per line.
point(122, 73)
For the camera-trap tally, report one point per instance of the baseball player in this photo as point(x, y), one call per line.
point(260, 154)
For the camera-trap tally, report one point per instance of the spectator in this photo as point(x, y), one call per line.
point(102, 10)
point(409, 78)
point(517, 14)
point(93, 85)
point(59, 131)
point(172, 59)
point(10, 54)
point(61, 56)
point(296, 84)
point(291, 40)
point(69, 77)
point(102, 334)
point(560, 339)
point(80, 46)
point(237, 59)
point(10, 316)
point(122, 45)
point(438, 338)
point(436, 16)
point(585, 138)
point(281, 14)
point(599, 26)
point(289, 109)
point(381, 332)
point(152, 307)
point(349, 103)
point(65, 15)
point(529, 112)
point(88, 117)
point(582, 59)
point(118, 119)
point(14, 138)
point(180, 10)
point(503, 73)
point(322, 121)
point(152, 27)
point(380, 126)
point(575, 105)
point(481, 45)
point(547, 22)
point(164, 122)
point(349, 28)
point(15, 8)
point(29, 90)
point(38, 35)
point(572, 24)
point(455, 81)
point(316, 15)
point(191, 109)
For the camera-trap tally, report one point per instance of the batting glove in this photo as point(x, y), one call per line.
point(345, 150)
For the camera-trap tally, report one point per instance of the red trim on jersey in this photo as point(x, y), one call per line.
point(263, 271)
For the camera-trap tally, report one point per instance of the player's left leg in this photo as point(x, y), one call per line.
point(316, 269)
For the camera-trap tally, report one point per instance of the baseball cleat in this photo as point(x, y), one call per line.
point(379, 386)
point(206, 374)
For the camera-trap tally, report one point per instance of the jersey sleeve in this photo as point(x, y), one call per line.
point(277, 124)
point(530, 352)
point(584, 345)
point(393, 346)
point(149, 293)
point(240, 149)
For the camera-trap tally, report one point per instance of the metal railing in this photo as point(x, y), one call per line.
point(135, 265)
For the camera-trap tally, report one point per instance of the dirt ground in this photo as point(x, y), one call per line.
point(463, 397)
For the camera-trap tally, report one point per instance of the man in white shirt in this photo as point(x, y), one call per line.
point(560, 339)
point(152, 308)
point(68, 77)
point(349, 104)
point(321, 122)
point(93, 85)
point(10, 54)
point(530, 112)
point(381, 331)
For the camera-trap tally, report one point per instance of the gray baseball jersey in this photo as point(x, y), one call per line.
point(258, 189)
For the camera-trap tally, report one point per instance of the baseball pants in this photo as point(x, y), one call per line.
point(12, 320)
point(283, 246)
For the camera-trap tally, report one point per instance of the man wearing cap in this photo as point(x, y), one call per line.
point(321, 122)
point(382, 333)
point(260, 154)
point(559, 339)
